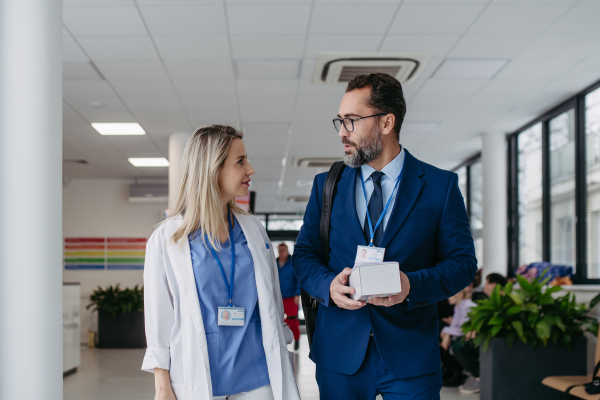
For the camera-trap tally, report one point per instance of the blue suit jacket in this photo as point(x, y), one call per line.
point(428, 234)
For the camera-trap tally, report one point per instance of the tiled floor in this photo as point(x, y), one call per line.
point(116, 375)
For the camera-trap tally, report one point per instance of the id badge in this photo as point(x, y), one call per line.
point(231, 316)
point(367, 254)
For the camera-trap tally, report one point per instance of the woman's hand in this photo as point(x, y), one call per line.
point(445, 341)
point(471, 335)
point(162, 384)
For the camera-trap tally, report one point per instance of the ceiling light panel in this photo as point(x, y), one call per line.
point(149, 162)
point(119, 128)
point(469, 69)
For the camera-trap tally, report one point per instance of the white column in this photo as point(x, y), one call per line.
point(493, 159)
point(177, 142)
point(31, 199)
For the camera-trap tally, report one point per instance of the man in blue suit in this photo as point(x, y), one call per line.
point(389, 345)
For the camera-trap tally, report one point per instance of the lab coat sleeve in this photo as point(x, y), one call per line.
point(158, 311)
point(287, 332)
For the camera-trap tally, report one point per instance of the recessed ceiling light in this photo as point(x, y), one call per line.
point(96, 104)
point(119, 128)
point(149, 162)
point(469, 69)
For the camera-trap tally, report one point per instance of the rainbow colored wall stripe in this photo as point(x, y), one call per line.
point(105, 253)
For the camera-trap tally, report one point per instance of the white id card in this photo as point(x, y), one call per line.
point(231, 316)
point(369, 254)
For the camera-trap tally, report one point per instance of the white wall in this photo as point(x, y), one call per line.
point(100, 208)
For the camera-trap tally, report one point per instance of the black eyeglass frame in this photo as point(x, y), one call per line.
point(352, 121)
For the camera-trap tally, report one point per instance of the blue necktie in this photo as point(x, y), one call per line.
point(375, 209)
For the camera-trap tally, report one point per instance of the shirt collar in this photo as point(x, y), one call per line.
point(392, 170)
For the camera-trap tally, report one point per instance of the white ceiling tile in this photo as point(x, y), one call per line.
point(216, 118)
point(87, 89)
point(268, 19)
point(446, 1)
point(267, 69)
point(307, 88)
point(80, 71)
point(69, 153)
point(567, 87)
point(491, 46)
point(178, 2)
point(432, 102)
point(307, 69)
point(211, 103)
point(246, 2)
point(66, 32)
point(200, 69)
point(185, 20)
point(488, 102)
point(267, 46)
point(147, 103)
point(82, 103)
point(469, 69)
point(72, 51)
point(316, 44)
point(163, 122)
point(453, 87)
point(516, 87)
point(526, 66)
point(103, 21)
point(254, 129)
point(587, 68)
point(267, 87)
point(568, 46)
point(434, 19)
point(351, 19)
point(196, 88)
point(517, 18)
point(267, 108)
point(192, 47)
point(580, 20)
point(119, 48)
point(103, 3)
point(139, 146)
point(255, 147)
point(438, 45)
point(144, 88)
point(134, 70)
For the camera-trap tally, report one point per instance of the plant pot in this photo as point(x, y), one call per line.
point(517, 372)
point(125, 331)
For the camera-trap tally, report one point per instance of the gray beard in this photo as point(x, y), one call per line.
point(367, 150)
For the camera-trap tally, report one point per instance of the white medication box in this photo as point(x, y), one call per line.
point(380, 279)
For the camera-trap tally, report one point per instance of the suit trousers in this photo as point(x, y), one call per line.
point(373, 378)
point(262, 393)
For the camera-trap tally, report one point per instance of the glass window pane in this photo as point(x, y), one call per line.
point(530, 195)
point(592, 137)
point(462, 182)
point(476, 217)
point(562, 189)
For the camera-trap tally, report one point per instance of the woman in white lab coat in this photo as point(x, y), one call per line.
point(213, 308)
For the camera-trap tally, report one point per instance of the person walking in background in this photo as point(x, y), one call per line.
point(290, 291)
point(212, 305)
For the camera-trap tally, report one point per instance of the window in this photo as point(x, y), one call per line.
point(530, 195)
point(562, 188)
point(592, 138)
point(476, 209)
point(462, 181)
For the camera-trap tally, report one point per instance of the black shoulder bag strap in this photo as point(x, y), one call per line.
point(309, 305)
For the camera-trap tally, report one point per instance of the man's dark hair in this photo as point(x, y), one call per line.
point(496, 278)
point(386, 95)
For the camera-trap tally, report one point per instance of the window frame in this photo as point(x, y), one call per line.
point(577, 103)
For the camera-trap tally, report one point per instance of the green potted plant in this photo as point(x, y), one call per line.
point(527, 334)
point(120, 316)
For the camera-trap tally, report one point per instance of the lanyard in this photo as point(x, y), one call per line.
point(387, 205)
point(227, 286)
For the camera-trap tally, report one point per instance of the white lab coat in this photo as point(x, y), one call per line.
point(174, 327)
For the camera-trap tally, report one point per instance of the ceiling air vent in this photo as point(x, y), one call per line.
point(148, 193)
point(316, 162)
point(297, 199)
point(340, 68)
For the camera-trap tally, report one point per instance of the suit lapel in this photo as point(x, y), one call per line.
point(347, 190)
point(408, 192)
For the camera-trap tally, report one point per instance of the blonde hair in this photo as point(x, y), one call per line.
point(199, 196)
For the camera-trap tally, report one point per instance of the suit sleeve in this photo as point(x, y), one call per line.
point(455, 254)
point(158, 311)
point(314, 275)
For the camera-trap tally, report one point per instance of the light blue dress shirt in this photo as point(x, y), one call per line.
point(236, 354)
point(388, 180)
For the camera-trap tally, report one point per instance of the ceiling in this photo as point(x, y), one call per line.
point(175, 65)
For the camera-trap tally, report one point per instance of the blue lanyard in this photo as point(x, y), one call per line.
point(371, 229)
point(227, 286)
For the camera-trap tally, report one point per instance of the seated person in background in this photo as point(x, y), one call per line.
point(452, 371)
point(490, 283)
point(465, 353)
point(290, 291)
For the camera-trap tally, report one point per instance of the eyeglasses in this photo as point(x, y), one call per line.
point(337, 122)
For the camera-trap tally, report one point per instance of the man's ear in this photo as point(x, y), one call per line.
point(387, 124)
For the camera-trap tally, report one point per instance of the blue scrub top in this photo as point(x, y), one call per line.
point(236, 354)
point(288, 282)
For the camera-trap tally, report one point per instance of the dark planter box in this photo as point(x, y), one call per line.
point(516, 373)
point(123, 332)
